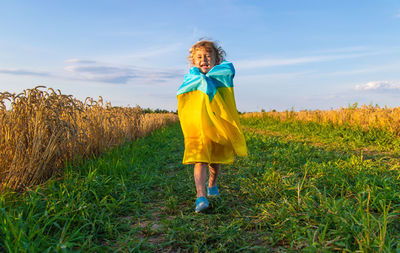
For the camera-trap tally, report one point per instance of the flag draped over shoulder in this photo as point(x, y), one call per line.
point(208, 116)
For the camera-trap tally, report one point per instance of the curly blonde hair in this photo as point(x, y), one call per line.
point(210, 46)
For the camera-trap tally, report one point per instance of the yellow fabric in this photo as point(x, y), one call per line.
point(211, 129)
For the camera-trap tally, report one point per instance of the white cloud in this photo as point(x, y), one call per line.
point(95, 71)
point(89, 70)
point(155, 51)
point(372, 69)
point(379, 86)
point(81, 61)
point(352, 49)
point(23, 72)
point(259, 63)
point(275, 76)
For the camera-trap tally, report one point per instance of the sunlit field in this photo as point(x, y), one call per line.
point(314, 181)
point(43, 129)
point(365, 117)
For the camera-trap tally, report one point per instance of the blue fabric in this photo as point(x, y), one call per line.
point(201, 204)
point(220, 75)
point(212, 191)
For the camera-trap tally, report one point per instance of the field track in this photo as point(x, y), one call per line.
point(297, 191)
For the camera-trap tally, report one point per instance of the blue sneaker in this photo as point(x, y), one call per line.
point(201, 204)
point(212, 191)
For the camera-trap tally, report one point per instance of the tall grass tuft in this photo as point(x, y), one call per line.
point(366, 117)
point(43, 129)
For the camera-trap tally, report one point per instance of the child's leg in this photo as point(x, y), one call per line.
point(200, 176)
point(214, 169)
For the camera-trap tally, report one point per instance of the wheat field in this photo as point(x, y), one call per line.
point(366, 117)
point(43, 129)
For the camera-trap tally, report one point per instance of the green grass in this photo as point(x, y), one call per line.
point(287, 195)
point(343, 137)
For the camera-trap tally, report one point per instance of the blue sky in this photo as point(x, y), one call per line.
point(288, 54)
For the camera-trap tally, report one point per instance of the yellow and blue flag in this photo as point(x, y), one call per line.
point(208, 116)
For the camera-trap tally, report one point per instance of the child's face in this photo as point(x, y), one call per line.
point(204, 59)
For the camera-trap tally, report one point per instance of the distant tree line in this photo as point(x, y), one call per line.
point(148, 110)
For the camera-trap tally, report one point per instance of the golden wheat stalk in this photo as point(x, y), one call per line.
point(43, 129)
point(367, 117)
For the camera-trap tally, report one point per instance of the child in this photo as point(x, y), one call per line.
point(208, 117)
